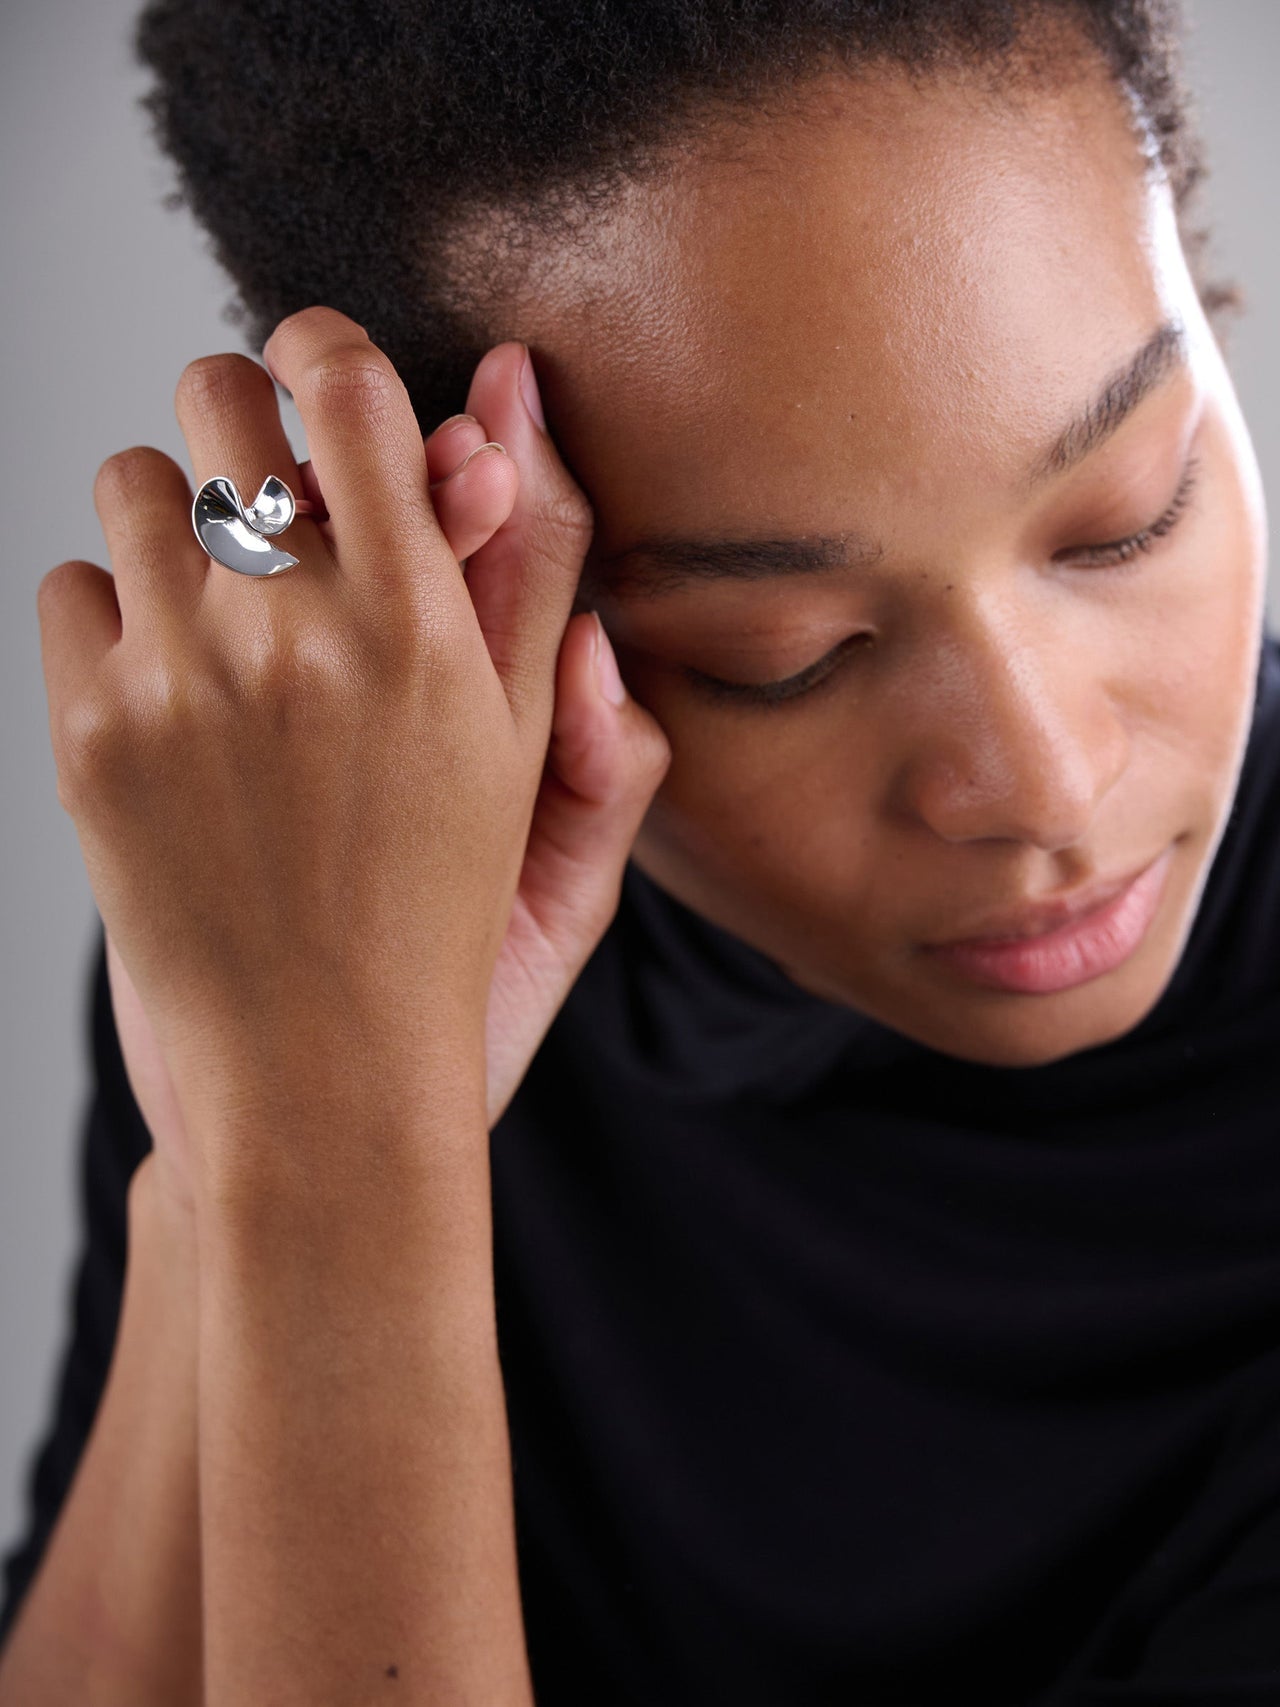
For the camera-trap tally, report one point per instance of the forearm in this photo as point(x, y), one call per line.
point(112, 1618)
point(356, 1500)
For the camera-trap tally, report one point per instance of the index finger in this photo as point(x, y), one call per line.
point(367, 453)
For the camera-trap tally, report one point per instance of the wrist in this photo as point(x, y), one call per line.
point(298, 1115)
point(155, 1197)
point(161, 1222)
point(310, 1184)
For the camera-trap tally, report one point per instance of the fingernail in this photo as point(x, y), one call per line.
point(470, 456)
point(455, 420)
point(490, 444)
point(607, 678)
point(529, 391)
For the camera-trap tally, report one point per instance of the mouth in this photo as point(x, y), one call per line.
point(1053, 945)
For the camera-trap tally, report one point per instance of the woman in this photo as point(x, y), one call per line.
point(835, 1072)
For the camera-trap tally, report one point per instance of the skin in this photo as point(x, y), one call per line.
point(338, 1154)
point(870, 312)
point(874, 311)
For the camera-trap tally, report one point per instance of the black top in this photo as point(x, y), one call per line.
point(842, 1371)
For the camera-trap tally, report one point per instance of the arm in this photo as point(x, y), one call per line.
point(355, 1475)
point(304, 812)
point(112, 1619)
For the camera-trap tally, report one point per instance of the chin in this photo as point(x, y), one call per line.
point(1053, 1043)
point(992, 1029)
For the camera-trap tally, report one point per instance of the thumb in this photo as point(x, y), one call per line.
point(606, 760)
point(523, 579)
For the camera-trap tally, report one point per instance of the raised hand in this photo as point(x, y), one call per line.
point(439, 832)
point(606, 758)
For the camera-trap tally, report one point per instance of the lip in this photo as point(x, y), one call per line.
point(1040, 917)
point(1056, 945)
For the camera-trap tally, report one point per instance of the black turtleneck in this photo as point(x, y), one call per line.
point(842, 1371)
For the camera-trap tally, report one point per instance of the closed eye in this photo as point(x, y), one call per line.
point(1114, 552)
point(773, 693)
point(1122, 550)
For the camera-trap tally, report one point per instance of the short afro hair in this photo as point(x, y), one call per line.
point(330, 149)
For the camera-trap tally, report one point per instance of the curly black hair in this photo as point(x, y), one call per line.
point(332, 149)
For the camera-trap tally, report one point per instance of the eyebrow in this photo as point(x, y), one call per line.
point(661, 564)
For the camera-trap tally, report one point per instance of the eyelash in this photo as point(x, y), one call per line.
point(1118, 553)
point(1124, 550)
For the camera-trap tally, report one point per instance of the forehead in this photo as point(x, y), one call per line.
point(881, 275)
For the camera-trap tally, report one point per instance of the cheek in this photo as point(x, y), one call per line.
point(778, 805)
point(1192, 640)
point(722, 794)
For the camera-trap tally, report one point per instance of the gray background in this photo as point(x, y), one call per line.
point(106, 297)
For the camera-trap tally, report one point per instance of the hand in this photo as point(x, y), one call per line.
point(603, 765)
point(306, 822)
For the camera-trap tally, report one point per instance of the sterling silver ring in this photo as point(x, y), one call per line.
point(240, 538)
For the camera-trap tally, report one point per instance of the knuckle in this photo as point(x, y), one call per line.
point(297, 676)
point(655, 754)
point(562, 527)
point(349, 378)
point(213, 384)
point(110, 742)
point(87, 738)
point(161, 701)
point(647, 761)
point(126, 473)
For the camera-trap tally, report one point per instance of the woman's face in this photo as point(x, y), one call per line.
point(863, 396)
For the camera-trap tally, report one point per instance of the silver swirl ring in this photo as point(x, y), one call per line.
point(239, 537)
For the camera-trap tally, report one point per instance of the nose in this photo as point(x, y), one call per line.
point(1016, 735)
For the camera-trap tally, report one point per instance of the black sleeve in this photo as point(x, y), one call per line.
point(113, 1140)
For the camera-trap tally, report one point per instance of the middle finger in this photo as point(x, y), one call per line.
point(446, 450)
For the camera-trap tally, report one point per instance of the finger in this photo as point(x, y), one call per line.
point(605, 762)
point(475, 500)
point(523, 580)
point(230, 417)
point(79, 620)
point(312, 493)
point(450, 445)
point(143, 500)
point(368, 456)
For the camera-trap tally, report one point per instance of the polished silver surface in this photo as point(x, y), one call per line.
point(272, 510)
point(237, 537)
